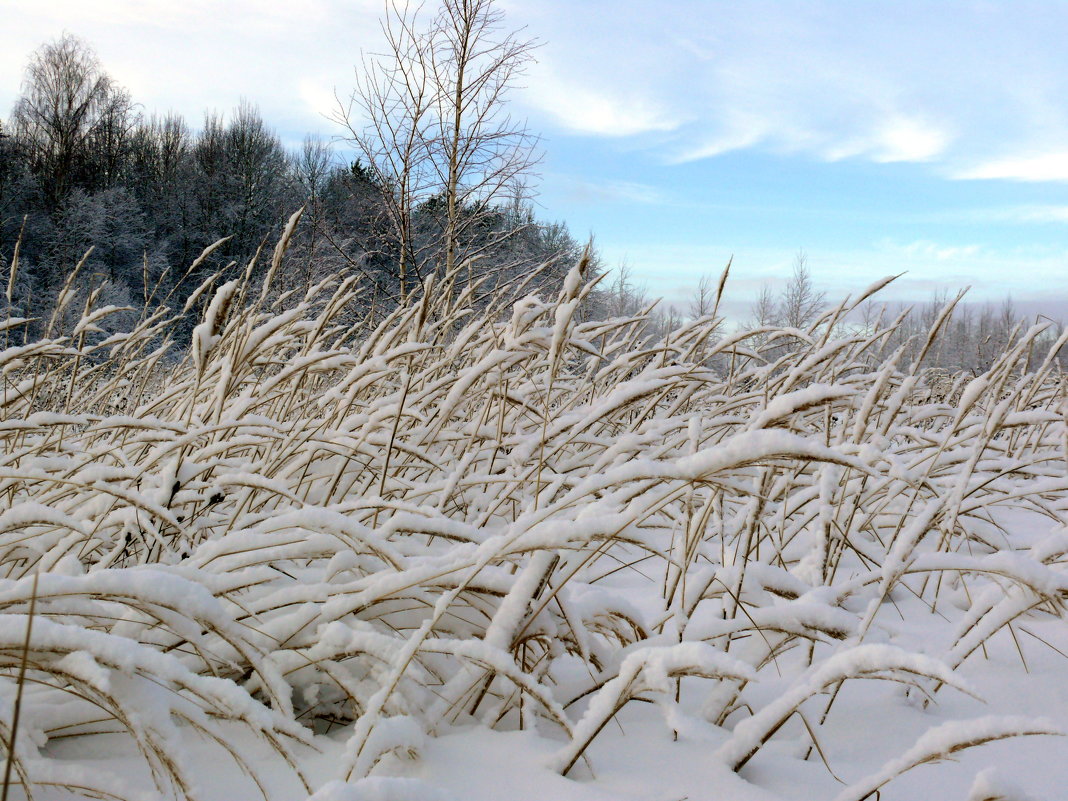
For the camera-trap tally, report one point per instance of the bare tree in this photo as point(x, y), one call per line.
point(312, 166)
point(704, 300)
point(388, 117)
point(9, 168)
point(429, 118)
point(484, 152)
point(764, 310)
point(623, 297)
point(256, 166)
point(801, 303)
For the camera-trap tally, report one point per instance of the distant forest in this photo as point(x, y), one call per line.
point(84, 169)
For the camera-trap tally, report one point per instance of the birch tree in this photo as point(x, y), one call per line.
point(429, 118)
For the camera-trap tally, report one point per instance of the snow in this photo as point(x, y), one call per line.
point(378, 788)
point(946, 739)
point(531, 557)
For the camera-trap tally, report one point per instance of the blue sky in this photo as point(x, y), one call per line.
point(880, 137)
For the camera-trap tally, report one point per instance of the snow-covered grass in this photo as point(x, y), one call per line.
point(318, 547)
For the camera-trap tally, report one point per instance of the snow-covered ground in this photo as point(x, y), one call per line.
point(639, 757)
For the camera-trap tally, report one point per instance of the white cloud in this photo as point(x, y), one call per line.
point(612, 112)
point(910, 139)
point(196, 55)
point(1052, 166)
point(1042, 214)
point(894, 139)
point(318, 97)
point(739, 130)
point(1026, 213)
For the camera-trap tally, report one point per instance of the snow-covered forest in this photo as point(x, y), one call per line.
point(83, 166)
point(314, 485)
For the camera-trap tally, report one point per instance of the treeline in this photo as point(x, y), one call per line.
point(84, 169)
point(971, 338)
point(974, 337)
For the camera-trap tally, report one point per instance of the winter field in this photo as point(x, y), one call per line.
point(516, 554)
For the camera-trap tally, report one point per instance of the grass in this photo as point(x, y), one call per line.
point(509, 515)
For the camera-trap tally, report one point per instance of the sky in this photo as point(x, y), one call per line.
point(929, 138)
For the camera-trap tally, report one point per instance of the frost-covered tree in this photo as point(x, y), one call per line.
point(81, 167)
point(72, 120)
point(800, 303)
point(797, 305)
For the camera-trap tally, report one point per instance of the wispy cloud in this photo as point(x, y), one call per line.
point(904, 138)
point(926, 250)
point(612, 111)
point(975, 89)
point(1023, 213)
point(582, 190)
point(1041, 214)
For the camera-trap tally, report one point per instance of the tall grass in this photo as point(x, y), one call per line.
point(504, 514)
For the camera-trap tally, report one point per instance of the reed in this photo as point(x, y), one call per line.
point(505, 514)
